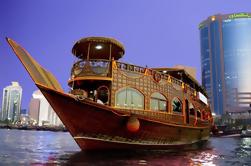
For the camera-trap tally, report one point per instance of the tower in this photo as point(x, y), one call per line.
point(226, 61)
point(11, 103)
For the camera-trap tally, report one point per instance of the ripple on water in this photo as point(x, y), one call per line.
point(56, 148)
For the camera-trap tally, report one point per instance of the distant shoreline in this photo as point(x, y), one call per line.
point(37, 128)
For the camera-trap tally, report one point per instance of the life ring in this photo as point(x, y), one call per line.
point(156, 76)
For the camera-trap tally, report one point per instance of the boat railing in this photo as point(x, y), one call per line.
point(130, 67)
point(101, 67)
point(143, 70)
point(95, 67)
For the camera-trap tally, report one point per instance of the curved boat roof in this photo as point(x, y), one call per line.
point(99, 48)
point(183, 75)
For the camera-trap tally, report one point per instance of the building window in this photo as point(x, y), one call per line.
point(158, 102)
point(129, 98)
point(176, 105)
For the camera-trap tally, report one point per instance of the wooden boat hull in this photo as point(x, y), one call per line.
point(96, 126)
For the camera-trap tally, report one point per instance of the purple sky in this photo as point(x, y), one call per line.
point(156, 33)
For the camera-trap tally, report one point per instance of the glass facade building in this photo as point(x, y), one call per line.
point(11, 103)
point(226, 61)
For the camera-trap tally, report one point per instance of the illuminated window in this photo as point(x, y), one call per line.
point(158, 102)
point(176, 105)
point(213, 18)
point(129, 98)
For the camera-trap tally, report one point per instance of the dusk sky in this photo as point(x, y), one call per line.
point(156, 33)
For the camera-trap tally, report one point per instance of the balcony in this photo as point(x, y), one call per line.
point(91, 70)
point(100, 69)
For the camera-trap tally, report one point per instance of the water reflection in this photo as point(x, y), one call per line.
point(217, 151)
point(244, 150)
point(204, 158)
point(20, 147)
point(189, 156)
point(57, 148)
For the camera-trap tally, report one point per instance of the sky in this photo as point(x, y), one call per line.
point(156, 33)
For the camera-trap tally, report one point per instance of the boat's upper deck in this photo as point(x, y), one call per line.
point(99, 56)
point(101, 69)
point(130, 87)
point(98, 75)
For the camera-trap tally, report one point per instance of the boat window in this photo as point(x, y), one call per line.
point(198, 114)
point(129, 98)
point(158, 102)
point(176, 105)
point(99, 66)
point(103, 94)
point(204, 115)
point(191, 109)
point(91, 67)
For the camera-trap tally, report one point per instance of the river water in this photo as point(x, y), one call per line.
point(22, 147)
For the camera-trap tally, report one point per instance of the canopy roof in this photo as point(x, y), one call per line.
point(181, 74)
point(100, 48)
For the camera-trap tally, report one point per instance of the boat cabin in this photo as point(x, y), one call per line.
point(98, 75)
point(91, 75)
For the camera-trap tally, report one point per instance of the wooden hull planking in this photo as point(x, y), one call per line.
point(96, 126)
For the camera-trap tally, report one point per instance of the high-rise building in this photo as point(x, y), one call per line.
point(11, 102)
point(225, 42)
point(34, 110)
point(41, 112)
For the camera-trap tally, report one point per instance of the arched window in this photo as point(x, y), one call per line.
point(103, 94)
point(176, 105)
point(158, 102)
point(129, 98)
point(191, 109)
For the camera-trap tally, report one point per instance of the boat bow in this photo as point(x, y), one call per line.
point(38, 74)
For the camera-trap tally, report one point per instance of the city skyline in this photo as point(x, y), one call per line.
point(48, 30)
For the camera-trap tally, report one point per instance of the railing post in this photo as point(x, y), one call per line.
point(88, 52)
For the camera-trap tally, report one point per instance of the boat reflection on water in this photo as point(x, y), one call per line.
point(193, 155)
point(57, 148)
point(218, 151)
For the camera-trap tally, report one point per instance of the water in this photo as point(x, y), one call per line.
point(21, 147)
